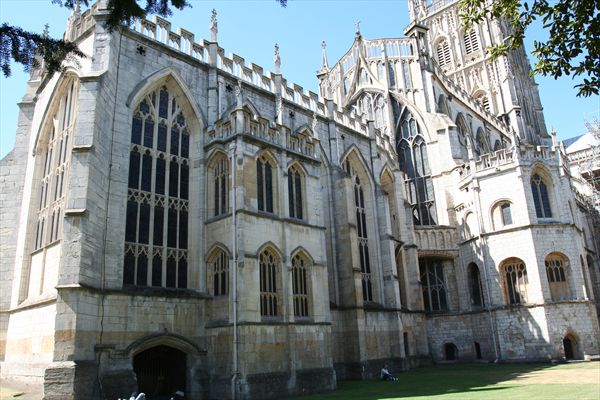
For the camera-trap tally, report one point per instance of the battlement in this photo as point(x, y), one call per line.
point(160, 30)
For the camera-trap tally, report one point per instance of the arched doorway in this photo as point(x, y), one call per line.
point(450, 352)
point(570, 347)
point(160, 371)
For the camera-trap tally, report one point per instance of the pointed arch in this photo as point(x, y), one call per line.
point(271, 293)
point(386, 169)
point(270, 246)
point(62, 81)
point(355, 157)
point(214, 154)
point(166, 76)
point(215, 248)
point(302, 250)
point(304, 129)
point(541, 190)
point(166, 339)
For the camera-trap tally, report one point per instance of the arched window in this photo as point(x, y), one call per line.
point(414, 161)
point(471, 41)
point(380, 113)
point(497, 145)
point(269, 283)
point(300, 285)
point(361, 230)
point(52, 165)
point(218, 267)
point(475, 286)
point(515, 280)
point(501, 214)
point(433, 284)
point(55, 151)
point(219, 183)
point(540, 197)
point(484, 101)
point(156, 226)
point(264, 183)
point(442, 105)
point(556, 271)
point(470, 226)
point(462, 131)
point(443, 54)
point(295, 197)
point(482, 144)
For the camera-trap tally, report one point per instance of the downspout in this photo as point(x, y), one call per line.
point(483, 240)
point(232, 149)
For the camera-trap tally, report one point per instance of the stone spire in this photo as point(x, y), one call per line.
point(46, 32)
point(214, 26)
point(324, 63)
point(277, 59)
point(357, 28)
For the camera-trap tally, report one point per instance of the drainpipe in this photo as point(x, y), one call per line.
point(485, 272)
point(232, 149)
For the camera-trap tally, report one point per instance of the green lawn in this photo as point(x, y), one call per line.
point(480, 381)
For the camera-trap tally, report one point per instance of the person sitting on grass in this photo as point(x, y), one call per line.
point(385, 374)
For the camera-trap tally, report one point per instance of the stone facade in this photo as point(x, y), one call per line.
point(173, 218)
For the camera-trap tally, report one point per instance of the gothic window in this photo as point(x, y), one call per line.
point(475, 288)
point(300, 282)
point(502, 215)
point(361, 230)
point(433, 284)
point(443, 54)
point(482, 144)
point(295, 198)
point(414, 162)
point(219, 272)
point(269, 283)
point(471, 41)
point(380, 116)
point(156, 222)
point(515, 281)
point(462, 131)
point(442, 105)
point(540, 197)
point(497, 145)
point(264, 183)
point(55, 152)
point(556, 265)
point(219, 181)
point(484, 101)
point(406, 75)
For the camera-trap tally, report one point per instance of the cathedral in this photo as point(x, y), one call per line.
point(175, 218)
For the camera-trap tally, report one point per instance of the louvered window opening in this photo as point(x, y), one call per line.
point(443, 54)
point(471, 42)
point(156, 233)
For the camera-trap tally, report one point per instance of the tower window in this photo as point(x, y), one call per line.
point(471, 41)
point(515, 281)
point(300, 282)
point(433, 285)
point(541, 199)
point(269, 281)
point(295, 192)
point(264, 184)
point(443, 54)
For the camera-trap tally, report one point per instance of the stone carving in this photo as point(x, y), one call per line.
point(277, 59)
point(214, 26)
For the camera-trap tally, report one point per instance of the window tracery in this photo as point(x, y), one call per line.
point(515, 281)
point(556, 271)
point(295, 197)
point(541, 199)
point(264, 183)
point(269, 282)
point(219, 272)
point(414, 161)
point(300, 285)
point(156, 226)
point(433, 284)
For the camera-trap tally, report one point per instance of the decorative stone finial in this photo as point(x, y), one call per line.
point(277, 59)
point(357, 27)
point(46, 32)
point(324, 63)
point(214, 26)
point(76, 8)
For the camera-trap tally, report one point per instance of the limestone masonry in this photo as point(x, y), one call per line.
point(173, 218)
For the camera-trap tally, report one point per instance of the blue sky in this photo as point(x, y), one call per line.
point(250, 28)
